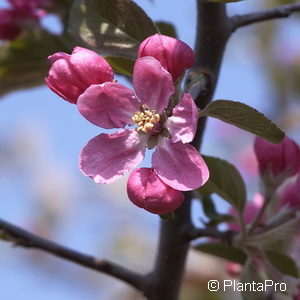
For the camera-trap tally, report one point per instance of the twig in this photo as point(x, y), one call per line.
point(282, 11)
point(26, 239)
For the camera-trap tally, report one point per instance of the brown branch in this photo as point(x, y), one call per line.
point(282, 11)
point(213, 30)
point(26, 239)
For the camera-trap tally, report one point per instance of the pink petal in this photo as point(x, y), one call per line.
point(146, 190)
point(109, 105)
point(90, 67)
point(279, 159)
point(70, 75)
point(183, 123)
point(107, 157)
point(152, 83)
point(174, 55)
point(179, 165)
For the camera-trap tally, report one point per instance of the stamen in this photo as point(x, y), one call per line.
point(146, 119)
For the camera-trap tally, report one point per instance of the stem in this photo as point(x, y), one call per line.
point(282, 11)
point(26, 239)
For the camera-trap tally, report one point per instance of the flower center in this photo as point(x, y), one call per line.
point(146, 119)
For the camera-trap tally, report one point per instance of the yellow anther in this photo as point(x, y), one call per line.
point(145, 119)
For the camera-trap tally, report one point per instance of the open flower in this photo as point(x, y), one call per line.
point(146, 190)
point(70, 75)
point(174, 55)
point(112, 105)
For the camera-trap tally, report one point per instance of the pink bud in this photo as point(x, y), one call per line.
point(250, 211)
point(146, 190)
point(277, 159)
point(174, 55)
point(290, 195)
point(70, 75)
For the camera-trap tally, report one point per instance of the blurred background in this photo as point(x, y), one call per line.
point(43, 190)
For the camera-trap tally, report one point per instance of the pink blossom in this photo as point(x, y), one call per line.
point(70, 75)
point(20, 12)
point(112, 105)
point(174, 55)
point(146, 190)
point(290, 194)
point(250, 211)
point(277, 159)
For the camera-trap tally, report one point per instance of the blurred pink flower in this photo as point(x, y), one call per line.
point(70, 75)
point(146, 190)
point(250, 211)
point(20, 12)
point(112, 105)
point(278, 160)
point(174, 55)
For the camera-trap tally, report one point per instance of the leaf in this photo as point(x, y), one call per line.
point(23, 62)
point(121, 65)
point(166, 28)
point(226, 181)
point(112, 27)
point(283, 263)
point(252, 274)
point(280, 261)
point(244, 117)
point(214, 217)
point(224, 251)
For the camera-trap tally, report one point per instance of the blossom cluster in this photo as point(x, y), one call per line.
point(279, 167)
point(156, 114)
point(19, 15)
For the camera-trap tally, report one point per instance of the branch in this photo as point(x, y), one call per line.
point(283, 11)
point(193, 233)
point(213, 30)
point(23, 238)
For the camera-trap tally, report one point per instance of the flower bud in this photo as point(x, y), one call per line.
point(290, 194)
point(277, 160)
point(70, 75)
point(174, 55)
point(146, 190)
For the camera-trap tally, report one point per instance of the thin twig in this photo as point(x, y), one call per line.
point(282, 11)
point(26, 239)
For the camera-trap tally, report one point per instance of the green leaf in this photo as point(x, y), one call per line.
point(224, 251)
point(226, 181)
point(210, 211)
point(112, 27)
point(280, 261)
point(283, 263)
point(23, 62)
point(121, 65)
point(252, 274)
point(166, 28)
point(244, 117)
